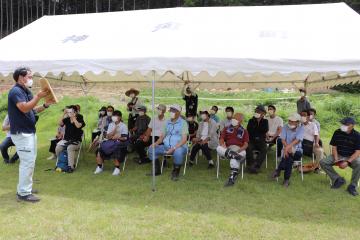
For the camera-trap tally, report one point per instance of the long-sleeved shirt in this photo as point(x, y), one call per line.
point(257, 130)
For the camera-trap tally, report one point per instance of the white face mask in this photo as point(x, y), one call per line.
point(109, 114)
point(303, 119)
point(189, 119)
point(234, 122)
point(132, 95)
point(114, 118)
point(102, 113)
point(203, 116)
point(141, 113)
point(311, 117)
point(229, 114)
point(29, 83)
point(291, 126)
point(344, 128)
point(302, 94)
point(212, 111)
point(159, 112)
point(172, 115)
point(257, 115)
point(271, 112)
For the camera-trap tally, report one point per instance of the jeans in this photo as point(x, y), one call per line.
point(287, 164)
point(4, 146)
point(178, 155)
point(26, 147)
point(328, 163)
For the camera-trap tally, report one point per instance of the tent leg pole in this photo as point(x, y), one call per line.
point(153, 127)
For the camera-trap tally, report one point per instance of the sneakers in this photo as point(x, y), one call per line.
point(211, 164)
point(52, 157)
point(28, 198)
point(98, 170)
point(230, 182)
point(352, 190)
point(338, 183)
point(116, 172)
point(286, 183)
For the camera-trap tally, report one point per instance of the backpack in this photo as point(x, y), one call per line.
point(62, 163)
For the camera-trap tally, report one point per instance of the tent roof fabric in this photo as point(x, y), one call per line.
point(266, 39)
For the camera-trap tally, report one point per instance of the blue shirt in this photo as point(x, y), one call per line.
point(20, 122)
point(290, 135)
point(173, 132)
point(215, 118)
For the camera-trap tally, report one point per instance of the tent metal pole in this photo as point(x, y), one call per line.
point(153, 129)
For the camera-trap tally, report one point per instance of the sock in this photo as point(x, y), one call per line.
point(100, 165)
point(117, 167)
point(211, 162)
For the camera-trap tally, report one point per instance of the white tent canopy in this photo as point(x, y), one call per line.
point(266, 39)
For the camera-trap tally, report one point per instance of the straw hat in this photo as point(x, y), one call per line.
point(132, 90)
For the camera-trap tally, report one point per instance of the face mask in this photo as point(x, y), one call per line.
point(234, 122)
point(311, 117)
point(203, 116)
point(271, 112)
point(302, 94)
point(141, 113)
point(132, 95)
point(29, 83)
point(303, 119)
point(291, 126)
point(344, 128)
point(159, 112)
point(71, 114)
point(190, 119)
point(102, 113)
point(229, 114)
point(114, 118)
point(212, 112)
point(172, 115)
point(257, 115)
point(109, 114)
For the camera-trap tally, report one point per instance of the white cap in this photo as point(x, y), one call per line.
point(294, 117)
point(176, 107)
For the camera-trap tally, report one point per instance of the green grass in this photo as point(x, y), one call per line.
point(84, 206)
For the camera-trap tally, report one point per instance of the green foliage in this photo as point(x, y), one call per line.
point(349, 88)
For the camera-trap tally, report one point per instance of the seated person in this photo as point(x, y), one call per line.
point(115, 145)
point(53, 142)
point(227, 121)
point(102, 122)
point(291, 136)
point(141, 125)
point(257, 128)
point(73, 123)
point(109, 112)
point(146, 139)
point(206, 139)
point(193, 125)
point(7, 143)
point(345, 153)
point(310, 143)
point(275, 125)
point(312, 118)
point(213, 111)
point(233, 143)
point(173, 141)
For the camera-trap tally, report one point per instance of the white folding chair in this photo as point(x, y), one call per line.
point(124, 163)
point(80, 150)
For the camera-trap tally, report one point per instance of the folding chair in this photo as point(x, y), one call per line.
point(81, 149)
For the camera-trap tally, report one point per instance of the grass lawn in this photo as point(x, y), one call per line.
point(84, 206)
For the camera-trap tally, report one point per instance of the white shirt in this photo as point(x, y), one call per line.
point(310, 131)
point(316, 123)
point(159, 126)
point(274, 124)
point(121, 128)
point(205, 131)
point(6, 123)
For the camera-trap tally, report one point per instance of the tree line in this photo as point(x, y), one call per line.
point(15, 14)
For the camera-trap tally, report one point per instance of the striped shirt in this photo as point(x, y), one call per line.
point(346, 143)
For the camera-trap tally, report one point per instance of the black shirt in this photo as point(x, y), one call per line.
point(72, 133)
point(191, 103)
point(346, 143)
point(193, 127)
point(257, 130)
point(20, 122)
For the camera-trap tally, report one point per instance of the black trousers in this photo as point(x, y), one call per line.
point(204, 148)
point(140, 146)
point(258, 146)
point(94, 135)
point(53, 145)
